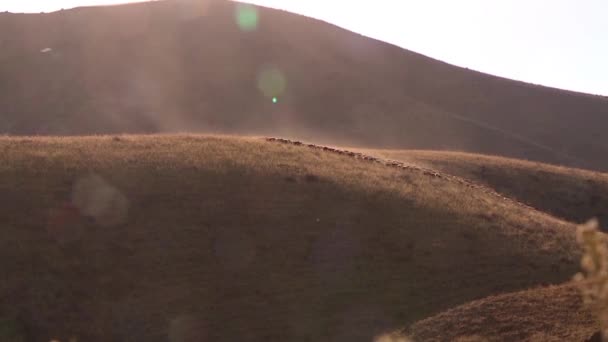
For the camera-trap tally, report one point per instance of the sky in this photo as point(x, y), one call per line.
point(557, 43)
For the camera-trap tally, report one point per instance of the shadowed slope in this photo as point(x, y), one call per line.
point(185, 65)
point(554, 313)
point(573, 194)
point(141, 238)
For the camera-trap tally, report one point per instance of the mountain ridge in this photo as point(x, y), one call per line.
point(172, 66)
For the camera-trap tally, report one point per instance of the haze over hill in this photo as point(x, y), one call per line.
point(187, 66)
point(190, 237)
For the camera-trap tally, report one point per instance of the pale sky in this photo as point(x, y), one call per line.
point(559, 43)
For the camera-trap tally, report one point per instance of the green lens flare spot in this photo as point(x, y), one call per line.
point(272, 83)
point(275, 100)
point(246, 17)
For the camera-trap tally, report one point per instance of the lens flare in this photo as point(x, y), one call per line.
point(246, 17)
point(96, 198)
point(272, 83)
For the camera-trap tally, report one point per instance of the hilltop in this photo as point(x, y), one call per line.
point(547, 314)
point(572, 194)
point(153, 237)
point(186, 65)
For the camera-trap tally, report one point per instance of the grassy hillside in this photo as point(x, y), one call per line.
point(572, 194)
point(186, 65)
point(553, 313)
point(154, 237)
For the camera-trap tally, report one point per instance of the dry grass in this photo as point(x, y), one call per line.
point(571, 194)
point(554, 313)
point(236, 237)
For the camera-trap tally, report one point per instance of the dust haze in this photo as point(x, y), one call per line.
point(222, 67)
point(207, 170)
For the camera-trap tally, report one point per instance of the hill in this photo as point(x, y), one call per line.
point(553, 313)
point(572, 194)
point(156, 237)
point(186, 65)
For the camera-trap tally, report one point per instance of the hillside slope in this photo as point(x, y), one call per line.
point(152, 237)
point(572, 194)
point(185, 65)
point(553, 313)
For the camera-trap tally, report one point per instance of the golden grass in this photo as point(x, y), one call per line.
point(240, 237)
point(554, 313)
point(572, 194)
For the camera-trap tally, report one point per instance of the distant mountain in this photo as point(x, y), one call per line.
point(187, 65)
